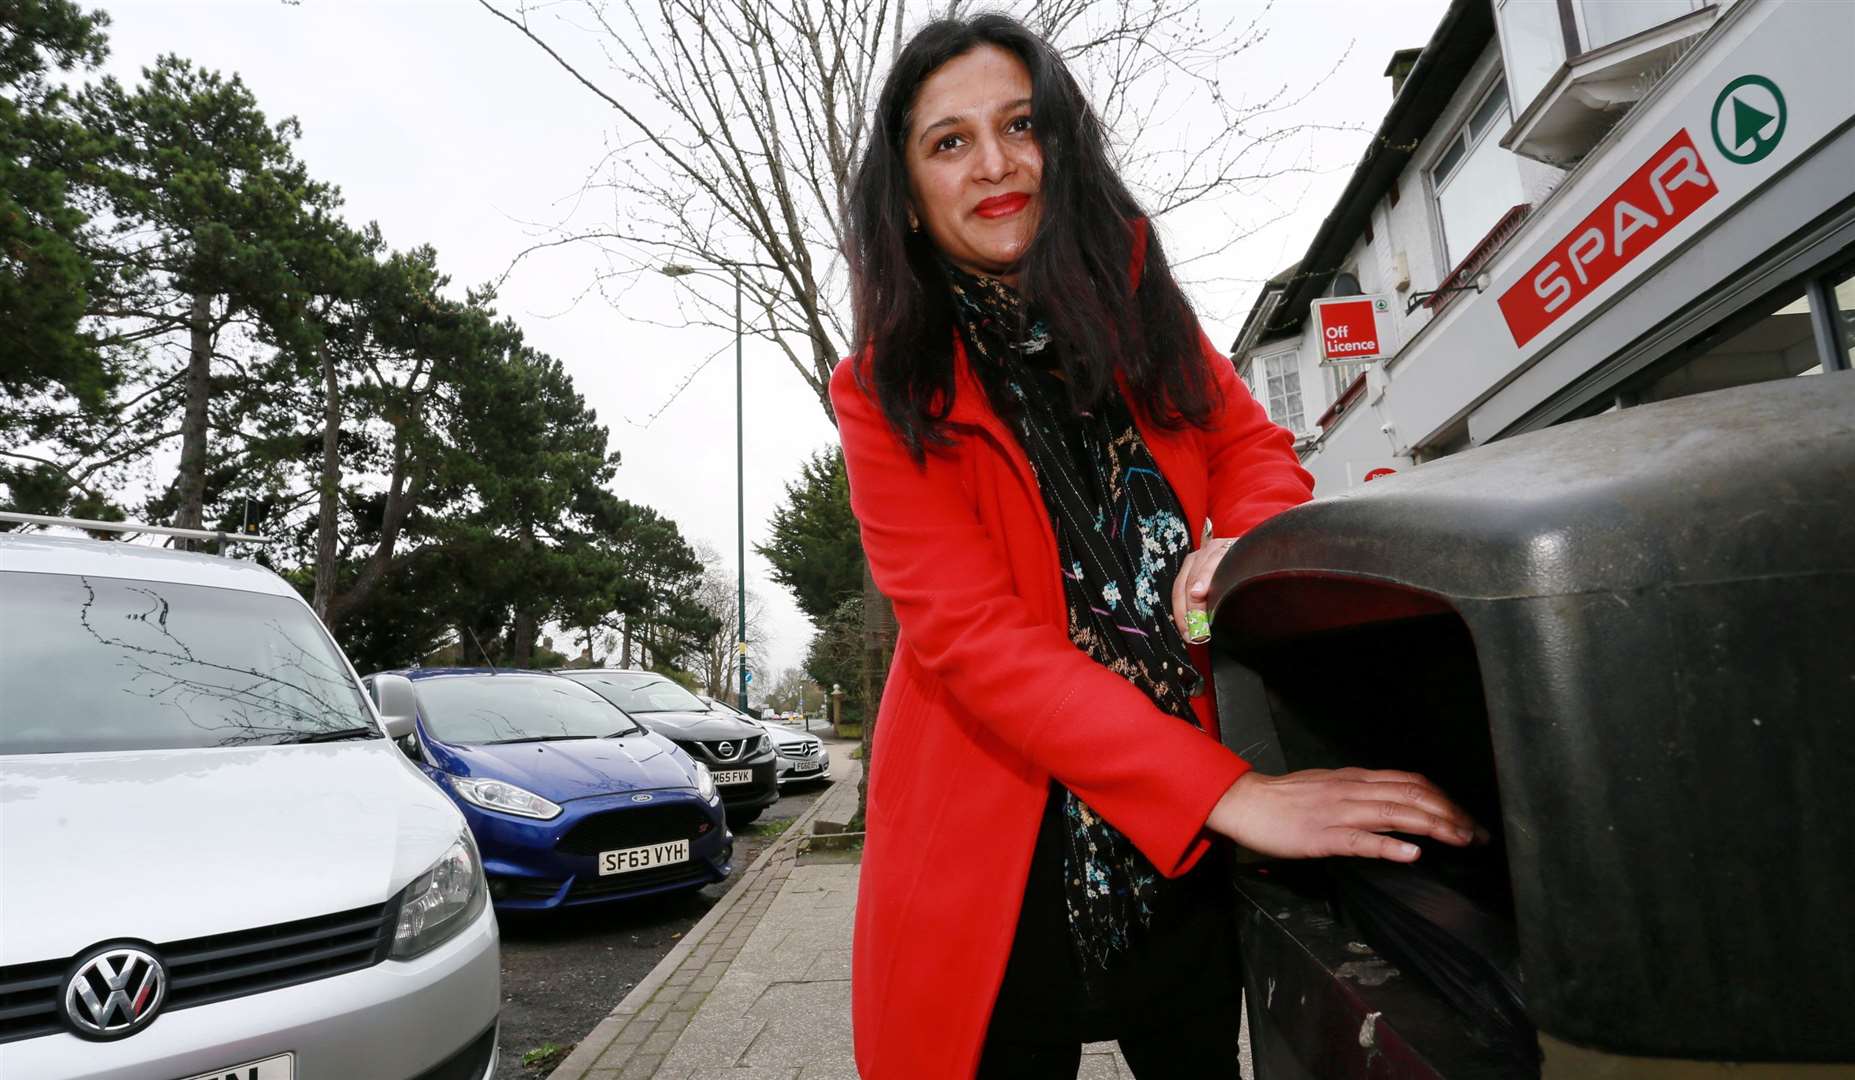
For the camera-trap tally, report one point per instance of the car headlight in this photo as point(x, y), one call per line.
point(705, 781)
point(496, 795)
point(441, 901)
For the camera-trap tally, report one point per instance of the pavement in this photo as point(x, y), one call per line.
point(760, 988)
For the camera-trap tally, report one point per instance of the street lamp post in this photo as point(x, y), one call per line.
point(740, 477)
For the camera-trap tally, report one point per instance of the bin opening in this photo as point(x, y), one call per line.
point(1373, 675)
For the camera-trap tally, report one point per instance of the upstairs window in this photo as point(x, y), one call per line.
point(1532, 44)
point(1475, 180)
point(1605, 22)
point(1536, 34)
point(1280, 379)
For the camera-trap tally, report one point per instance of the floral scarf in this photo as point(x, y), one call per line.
point(1122, 538)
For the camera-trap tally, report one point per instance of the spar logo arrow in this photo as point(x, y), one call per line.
point(1748, 119)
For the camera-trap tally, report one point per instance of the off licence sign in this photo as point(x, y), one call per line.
point(1349, 329)
point(1659, 195)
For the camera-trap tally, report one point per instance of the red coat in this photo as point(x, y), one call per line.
point(988, 699)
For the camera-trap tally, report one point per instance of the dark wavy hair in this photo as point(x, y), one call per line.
point(1075, 272)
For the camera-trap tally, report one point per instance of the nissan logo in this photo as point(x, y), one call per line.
point(725, 749)
point(115, 991)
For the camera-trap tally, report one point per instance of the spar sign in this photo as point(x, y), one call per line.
point(1354, 328)
point(1659, 195)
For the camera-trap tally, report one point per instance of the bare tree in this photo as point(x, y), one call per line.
point(794, 691)
point(739, 123)
point(718, 662)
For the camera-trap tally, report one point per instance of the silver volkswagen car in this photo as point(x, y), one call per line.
point(213, 862)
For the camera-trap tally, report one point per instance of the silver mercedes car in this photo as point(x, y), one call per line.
point(213, 860)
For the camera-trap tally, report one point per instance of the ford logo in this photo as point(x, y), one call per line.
point(642, 796)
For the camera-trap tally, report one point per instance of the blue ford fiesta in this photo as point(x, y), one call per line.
point(571, 801)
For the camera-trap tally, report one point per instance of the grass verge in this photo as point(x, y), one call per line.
point(767, 826)
point(543, 1058)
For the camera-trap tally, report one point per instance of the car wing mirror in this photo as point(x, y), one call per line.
point(398, 706)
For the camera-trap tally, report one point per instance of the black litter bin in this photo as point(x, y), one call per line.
point(1627, 645)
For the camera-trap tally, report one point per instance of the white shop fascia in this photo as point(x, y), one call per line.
point(1700, 243)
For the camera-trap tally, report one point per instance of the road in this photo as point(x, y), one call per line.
point(562, 974)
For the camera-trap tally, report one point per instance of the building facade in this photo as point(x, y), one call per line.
point(1572, 206)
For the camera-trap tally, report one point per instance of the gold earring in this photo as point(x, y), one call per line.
point(914, 223)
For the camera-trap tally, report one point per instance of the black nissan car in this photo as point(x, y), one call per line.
point(737, 752)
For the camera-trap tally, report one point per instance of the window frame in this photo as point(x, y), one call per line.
point(1291, 361)
point(1567, 43)
point(1469, 146)
point(1578, 32)
point(1435, 184)
point(1816, 288)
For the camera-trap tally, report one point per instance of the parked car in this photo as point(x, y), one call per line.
point(572, 802)
point(738, 752)
point(213, 862)
point(802, 758)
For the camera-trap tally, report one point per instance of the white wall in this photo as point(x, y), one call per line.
point(1408, 233)
point(1466, 378)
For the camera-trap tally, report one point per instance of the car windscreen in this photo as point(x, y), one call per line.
point(640, 693)
point(514, 708)
point(99, 663)
point(727, 710)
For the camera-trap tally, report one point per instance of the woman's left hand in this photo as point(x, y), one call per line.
point(1193, 585)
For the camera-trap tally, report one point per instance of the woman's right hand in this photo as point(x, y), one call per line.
point(1320, 812)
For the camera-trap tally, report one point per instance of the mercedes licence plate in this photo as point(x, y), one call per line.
point(625, 860)
point(281, 1067)
point(734, 776)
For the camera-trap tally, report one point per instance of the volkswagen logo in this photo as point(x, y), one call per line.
point(115, 991)
point(725, 749)
point(642, 796)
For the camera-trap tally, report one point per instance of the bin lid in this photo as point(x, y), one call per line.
point(1723, 485)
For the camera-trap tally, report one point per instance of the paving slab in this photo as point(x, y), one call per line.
point(760, 988)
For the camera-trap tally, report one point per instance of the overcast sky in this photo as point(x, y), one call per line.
point(445, 126)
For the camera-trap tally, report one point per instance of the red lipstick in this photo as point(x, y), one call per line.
point(999, 206)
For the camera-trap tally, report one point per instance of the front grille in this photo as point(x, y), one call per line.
point(635, 826)
point(208, 969)
point(225, 966)
point(586, 888)
point(800, 750)
point(29, 999)
point(738, 749)
point(521, 888)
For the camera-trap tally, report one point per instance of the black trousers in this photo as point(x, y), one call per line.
point(1172, 1002)
point(1185, 1051)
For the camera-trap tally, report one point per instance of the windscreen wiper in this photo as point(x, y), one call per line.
point(538, 738)
point(338, 735)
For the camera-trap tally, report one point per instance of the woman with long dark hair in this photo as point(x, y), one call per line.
point(1047, 458)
